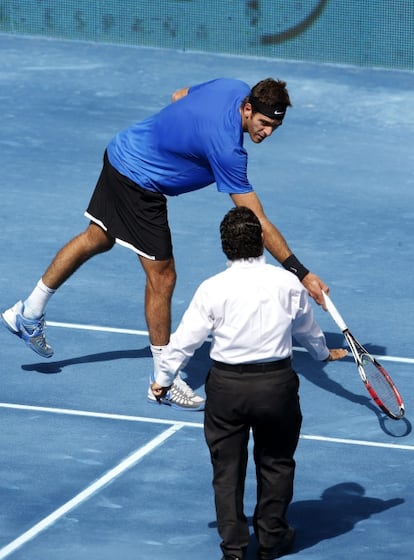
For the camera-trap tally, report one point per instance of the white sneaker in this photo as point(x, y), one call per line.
point(186, 389)
point(180, 395)
point(32, 331)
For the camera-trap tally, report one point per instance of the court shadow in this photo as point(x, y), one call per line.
point(198, 366)
point(338, 510)
point(195, 371)
point(336, 340)
point(53, 367)
point(315, 373)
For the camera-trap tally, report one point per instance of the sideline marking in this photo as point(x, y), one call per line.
point(113, 473)
point(359, 442)
point(104, 415)
point(145, 333)
point(189, 424)
point(95, 328)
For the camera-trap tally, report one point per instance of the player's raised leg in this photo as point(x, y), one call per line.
point(26, 319)
point(91, 242)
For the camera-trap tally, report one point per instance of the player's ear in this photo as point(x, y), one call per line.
point(247, 108)
point(246, 113)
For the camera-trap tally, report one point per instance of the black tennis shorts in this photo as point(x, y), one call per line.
point(135, 217)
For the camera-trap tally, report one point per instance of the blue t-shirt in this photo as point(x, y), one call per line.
point(196, 141)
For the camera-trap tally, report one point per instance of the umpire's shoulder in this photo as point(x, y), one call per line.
point(284, 276)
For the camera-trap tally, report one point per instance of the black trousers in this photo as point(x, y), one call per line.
point(268, 404)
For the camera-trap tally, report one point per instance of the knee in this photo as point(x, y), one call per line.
point(161, 277)
point(98, 239)
point(167, 277)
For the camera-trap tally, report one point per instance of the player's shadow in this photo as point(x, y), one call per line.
point(338, 510)
point(316, 372)
point(196, 370)
point(57, 366)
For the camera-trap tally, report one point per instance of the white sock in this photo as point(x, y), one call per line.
point(156, 356)
point(35, 304)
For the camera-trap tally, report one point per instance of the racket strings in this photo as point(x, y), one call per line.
point(377, 381)
point(382, 387)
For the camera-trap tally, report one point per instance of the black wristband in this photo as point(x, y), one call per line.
point(294, 265)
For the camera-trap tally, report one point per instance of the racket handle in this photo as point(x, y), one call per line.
point(336, 316)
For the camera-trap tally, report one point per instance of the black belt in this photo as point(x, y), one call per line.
point(254, 367)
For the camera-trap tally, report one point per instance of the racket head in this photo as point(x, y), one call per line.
point(377, 380)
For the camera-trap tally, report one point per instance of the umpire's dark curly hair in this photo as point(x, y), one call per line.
point(241, 234)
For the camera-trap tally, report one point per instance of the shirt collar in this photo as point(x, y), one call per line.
point(244, 263)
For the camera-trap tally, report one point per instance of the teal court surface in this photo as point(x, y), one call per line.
point(89, 469)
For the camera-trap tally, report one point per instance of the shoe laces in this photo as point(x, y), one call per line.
point(40, 341)
point(35, 330)
point(34, 327)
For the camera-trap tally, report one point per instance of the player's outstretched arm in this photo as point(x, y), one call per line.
point(277, 246)
point(274, 241)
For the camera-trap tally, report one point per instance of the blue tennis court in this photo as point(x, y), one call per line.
point(89, 469)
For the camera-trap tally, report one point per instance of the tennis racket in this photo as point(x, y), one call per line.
point(376, 380)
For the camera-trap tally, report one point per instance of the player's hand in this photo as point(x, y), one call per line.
point(336, 354)
point(179, 94)
point(159, 391)
point(315, 286)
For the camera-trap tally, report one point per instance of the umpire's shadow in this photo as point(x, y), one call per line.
point(338, 510)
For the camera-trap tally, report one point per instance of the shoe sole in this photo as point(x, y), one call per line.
point(18, 334)
point(177, 406)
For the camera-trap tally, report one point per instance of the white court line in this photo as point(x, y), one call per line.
point(396, 359)
point(104, 415)
point(359, 442)
point(123, 466)
point(96, 328)
point(126, 418)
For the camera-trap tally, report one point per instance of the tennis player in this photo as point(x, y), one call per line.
point(251, 310)
point(188, 145)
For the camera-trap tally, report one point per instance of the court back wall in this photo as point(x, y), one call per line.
point(360, 32)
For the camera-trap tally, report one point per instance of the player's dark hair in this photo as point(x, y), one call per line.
point(270, 92)
point(241, 234)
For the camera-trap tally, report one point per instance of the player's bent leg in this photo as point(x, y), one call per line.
point(31, 330)
point(161, 277)
point(93, 241)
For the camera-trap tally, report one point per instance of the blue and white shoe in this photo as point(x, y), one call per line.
point(180, 395)
point(32, 331)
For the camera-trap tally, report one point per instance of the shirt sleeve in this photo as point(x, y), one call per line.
point(230, 170)
point(193, 330)
point(307, 331)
